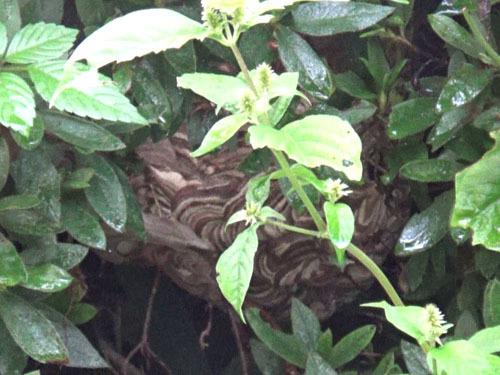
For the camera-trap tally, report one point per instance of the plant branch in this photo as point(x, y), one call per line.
point(243, 67)
point(293, 228)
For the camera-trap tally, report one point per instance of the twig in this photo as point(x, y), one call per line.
point(208, 328)
point(241, 348)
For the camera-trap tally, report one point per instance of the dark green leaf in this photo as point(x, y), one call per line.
point(466, 326)
point(285, 345)
point(183, 59)
point(412, 117)
point(12, 270)
point(377, 63)
point(50, 11)
point(17, 103)
point(80, 132)
point(4, 162)
point(416, 268)
point(491, 307)
point(91, 12)
point(487, 262)
point(257, 161)
point(352, 84)
point(386, 365)
point(28, 222)
point(305, 325)
point(256, 36)
point(465, 85)
point(18, 202)
point(47, 278)
point(63, 255)
point(328, 18)
point(33, 140)
point(350, 346)
point(81, 313)
point(10, 16)
point(432, 170)
point(316, 365)
point(488, 120)
point(105, 193)
point(267, 362)
point(414, 359)
point(12, 359)
point(298, 56)
point(31, 330)
point(78, 179)
point(82, 225)
point(427, 228)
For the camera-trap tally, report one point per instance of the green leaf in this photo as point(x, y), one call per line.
point(135, 222)
point(4, 161)
point(427, 228)
point(183, 59)
point(411, 117)
point(377, 63)
point(105, 193)
point(47, 278)
point(305, 325)
point(17, 103)
point(298, 56)
point(487, 340)
point(340, 223)
point(478, 198)
point(258, 190)
point(488, 120)
point(352, 84)
point(85, 95)
point(78, 179)
point(284, 345)
point(12, 270)
point(81, 353)
point(415, 359)
point(3, 38)
point(386, 365)
point(219, 133)
point(117, 41)
point(405, 318)
point(29, 222)
point(12, 359)
point(432, 170)
point(316, 365)
point(79, 132)
point(267, 362)
point(313, 141)
point(329, 18)
point(82, 313)
point(454, 34)
point(18, 202)
point(31, 330)
point(63, 255)
point(82, 225)
point(40, 42)
point(449, 125)
point(350, 346)
point(465, 85)
point(235, 267)
point(33, 140)
point(149, 94)
point(10, 16)
point(256, 36)
point(491, 307)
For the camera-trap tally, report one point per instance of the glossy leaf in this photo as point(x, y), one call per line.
point(491, 306)
point(235, 267)
point(432, 170)
point(40, 42)
point(183, 59)
point(316, 365)
point(47, 278)
point(488, 120)
point(353, 85)
point(329, 18)
point(478, 198)
point(465, 85)
point(305, 325)
point(18, 202)
point(412, 117)
point(12, 359)
point(386, 365)
point(487, 340)
point(17, 103)
point(219, 133)
point(84, 96)
point(297, 56)
point(82, 225)
point(454, 34)
point(62, 255)
point(415, 359)
point(313, 141)
point(449, 125)
point(149, 94)
point(284, 345)
point(82, 313)
point(78, 179)
point(81, 353)
point(31, 330)
point(427, 228)
point(80, 132)
point(258, 190)
point(350, 346)
point(105, 193)
point(35, 137)
point(117, 41)
point(28, 222)
point(4, 162)
point(340, 223)
point(12, 270)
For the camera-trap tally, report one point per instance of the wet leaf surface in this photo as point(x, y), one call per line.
point(47, 278)
point(412, 117)
point(433, 170)
point(82, 225)
point(12, 270)
point(63, 255)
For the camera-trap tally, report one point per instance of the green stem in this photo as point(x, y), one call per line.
point(243, 67)
point(293, 228)
point(480, 38)
point(365, 260)
point(14, 68)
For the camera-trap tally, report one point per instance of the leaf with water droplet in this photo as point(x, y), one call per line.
point(432, 170)
point(412, 117)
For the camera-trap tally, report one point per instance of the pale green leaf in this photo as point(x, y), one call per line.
point(235, 267)
point(96, 99)
point(119, 40)
point(219, 133)
point(487, 339)
point(17, 103)
point(314, 141)
point(268, 212)
point(3, 38)
point(238, 216)
point(340, 222)
point(40, 42)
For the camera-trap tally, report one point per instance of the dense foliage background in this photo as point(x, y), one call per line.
point(418, 80)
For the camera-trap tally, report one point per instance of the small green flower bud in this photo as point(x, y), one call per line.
point(434, 324)
point(247, 103)
point(212, 18)
point(264, 76)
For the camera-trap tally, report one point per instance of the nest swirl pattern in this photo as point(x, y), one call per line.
point(186, 203)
